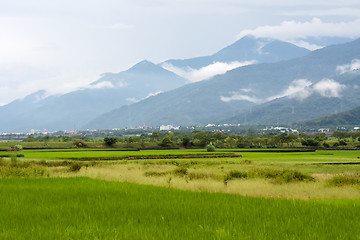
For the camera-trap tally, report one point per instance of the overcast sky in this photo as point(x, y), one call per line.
point(60, 45)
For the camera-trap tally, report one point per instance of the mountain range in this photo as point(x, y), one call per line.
point(72, 110)
point(283, 83)
point(246, 49)
point(312, 86)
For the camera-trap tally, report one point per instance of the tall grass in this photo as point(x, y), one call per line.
point(81, 208)
point(345, 180)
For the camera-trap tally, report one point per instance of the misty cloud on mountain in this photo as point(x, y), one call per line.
point(354, 65)
point(329, 88)
point(298, 32)
point(196, 75)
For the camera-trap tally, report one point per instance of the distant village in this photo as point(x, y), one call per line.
point(229, 128)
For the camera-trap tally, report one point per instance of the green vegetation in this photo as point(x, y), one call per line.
point(109, 141)
point(161, 194)
point(82, 208)
point(344, 180)
point(195, 139)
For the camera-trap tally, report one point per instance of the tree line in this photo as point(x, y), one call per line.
point(218, 139)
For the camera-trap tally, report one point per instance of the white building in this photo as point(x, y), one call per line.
point(168, 128)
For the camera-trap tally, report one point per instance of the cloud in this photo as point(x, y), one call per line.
point(326, 12)
point(196, 75)
point(134, 100)
point(298, 89)
point(354, 65)
point(304, 44)
point(329, 88)
point(296, 31)
point(100, 85)
point(237, 96)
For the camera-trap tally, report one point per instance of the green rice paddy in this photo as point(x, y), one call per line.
point(82, 208)
point(256, 196)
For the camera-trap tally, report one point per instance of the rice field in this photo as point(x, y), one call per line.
point(54, 194)
point(83, 208)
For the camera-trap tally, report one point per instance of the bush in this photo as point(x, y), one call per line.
point(326, 145)
point(342, 143)
point(109, 141)
point(79, 143)
point(340, 181)
point(17, 147)
point(75, 167)
point(237, 174)
point(210, 148)
point(234, 174)
point(310, 142)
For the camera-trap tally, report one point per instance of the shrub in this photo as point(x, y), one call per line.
point(326, 145)
point(210, 148)
point(234, 174)
point(17, 147)
point(342, 143)
point(109, 141)
point(340, 181)
point(310, 142)
point(79, 143)
point(75, 167)
point(281, 176)
point(238, 174)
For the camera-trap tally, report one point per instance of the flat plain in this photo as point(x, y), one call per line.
point(102, 194)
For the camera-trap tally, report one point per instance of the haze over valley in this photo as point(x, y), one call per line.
point(304, 65)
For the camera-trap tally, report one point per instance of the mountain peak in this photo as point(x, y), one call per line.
point(144, 66)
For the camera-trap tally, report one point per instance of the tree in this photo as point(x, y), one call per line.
point(291, 137)
point(109, 141)
point(166, 142)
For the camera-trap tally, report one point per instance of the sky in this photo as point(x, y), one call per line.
point(63, 45)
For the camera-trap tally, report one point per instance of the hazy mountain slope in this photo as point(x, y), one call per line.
point(351, 117)
point(247, 48)
point(228, 94)
point(294, 108)
point(72, 110)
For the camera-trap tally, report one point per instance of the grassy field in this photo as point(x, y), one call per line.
point(47, 195)
point(83, 154)
point(82, 208)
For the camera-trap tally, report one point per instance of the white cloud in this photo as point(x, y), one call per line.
point(100, 85)
point(297, 31)
point(329, 88)
point(354, 65)
point(246, 90)
point(298, 89)
point(134, 100)
point(237, 97)
point(304, 44)
point(196, 75)
point(325, 12)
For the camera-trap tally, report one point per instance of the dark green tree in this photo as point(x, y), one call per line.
point(110, 141)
